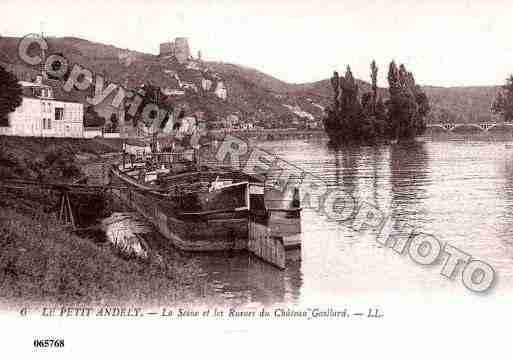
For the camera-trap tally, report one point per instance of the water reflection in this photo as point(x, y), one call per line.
point(241, 279)
point(224, 278)
point(376, 155)
point(408, 181)
point(346, 167)
point(460, 192)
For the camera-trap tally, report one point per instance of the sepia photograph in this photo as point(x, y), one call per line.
point(256, 178)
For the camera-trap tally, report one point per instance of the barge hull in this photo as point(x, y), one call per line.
point(234, 230)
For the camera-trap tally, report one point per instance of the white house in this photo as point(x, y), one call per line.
point(41, 115)
point(188, 125)
point(206, 84)
point(172, 92)
point(221, 91)
point(231, 121)
point(92, 132)
point(189, 86)
point(246, 126)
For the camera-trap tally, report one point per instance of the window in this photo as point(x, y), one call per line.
point(46, 93)
point(47, 123)
point(59, 114)
point(46, 106)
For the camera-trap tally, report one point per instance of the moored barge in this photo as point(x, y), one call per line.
point(201, 208)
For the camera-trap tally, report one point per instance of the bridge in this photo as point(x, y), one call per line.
point(483, 126)
point(269, 134)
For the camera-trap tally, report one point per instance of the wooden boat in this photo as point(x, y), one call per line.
point(199, 208)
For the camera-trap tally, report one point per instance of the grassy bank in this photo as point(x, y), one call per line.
point(42, 262)
point(48, 158)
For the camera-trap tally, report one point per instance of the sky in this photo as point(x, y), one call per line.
point(444, 43)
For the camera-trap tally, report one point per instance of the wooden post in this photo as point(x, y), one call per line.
point(296, 202)
point(61, 210)
point(65, 213)
point(72, 220)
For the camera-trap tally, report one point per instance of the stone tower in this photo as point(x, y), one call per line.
point(182, 50)
point(167, 49)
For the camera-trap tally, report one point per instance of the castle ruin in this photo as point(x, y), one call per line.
point(178, 49)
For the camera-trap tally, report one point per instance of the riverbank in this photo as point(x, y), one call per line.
point(43, 262)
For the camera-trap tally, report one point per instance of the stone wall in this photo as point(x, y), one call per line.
point(178, 48)
point(167, 49)
point(182, 50)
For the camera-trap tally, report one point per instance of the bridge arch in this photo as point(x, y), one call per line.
point(435, 129)
point(501, 127)
point(462, 126)
point(482, 127)
point(437, 126)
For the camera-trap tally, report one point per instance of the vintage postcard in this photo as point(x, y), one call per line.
point(256, 178)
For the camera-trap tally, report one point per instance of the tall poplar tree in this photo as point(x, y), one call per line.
point(10, 95)
point(503, 103)
point(408, 105)
point(374, 81)
point(369, 119)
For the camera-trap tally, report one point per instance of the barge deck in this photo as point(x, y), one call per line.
point(199, 208)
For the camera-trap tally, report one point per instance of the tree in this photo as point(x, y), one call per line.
point(367, 104)
point(423, 110)
point(402, 116)
point(92, 118)
point(344, 118)
point(114, 122)
point(498, 104)
point(335, 83)
point(370, 103)
point(374, 82)
point(408, 105)
point(503, 103)
point(10, 95)
point(380, 115)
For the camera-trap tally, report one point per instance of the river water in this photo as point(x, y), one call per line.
point(461, 192)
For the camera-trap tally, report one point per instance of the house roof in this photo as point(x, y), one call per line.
point(57, 87)
point(60, 94)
